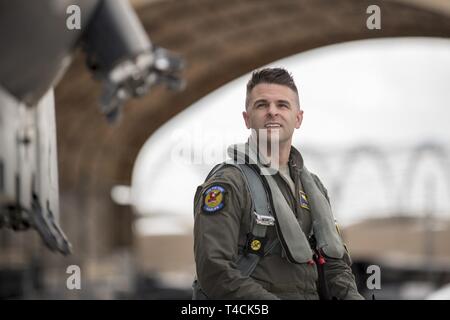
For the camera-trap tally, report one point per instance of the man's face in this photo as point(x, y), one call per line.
point(273, 107)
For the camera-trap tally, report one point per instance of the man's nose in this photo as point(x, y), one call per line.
point(272, 110)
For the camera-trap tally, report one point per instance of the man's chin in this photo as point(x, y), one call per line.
point(270, 132)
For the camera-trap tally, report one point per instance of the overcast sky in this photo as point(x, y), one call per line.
point(389, 93)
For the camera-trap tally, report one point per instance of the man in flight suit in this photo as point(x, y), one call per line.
point(307, 258)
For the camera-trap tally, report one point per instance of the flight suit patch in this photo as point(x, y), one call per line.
point(213, 199)
point(255, 244)
point(304, 201)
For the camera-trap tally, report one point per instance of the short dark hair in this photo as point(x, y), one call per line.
point(270, 75)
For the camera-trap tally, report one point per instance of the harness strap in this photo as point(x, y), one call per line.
point(261, 214)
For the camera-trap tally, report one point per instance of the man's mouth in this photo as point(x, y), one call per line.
point(272, 125)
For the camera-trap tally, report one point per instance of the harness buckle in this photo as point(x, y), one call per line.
point(264, 220)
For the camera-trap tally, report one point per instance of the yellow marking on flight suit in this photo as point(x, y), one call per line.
point(255, 245)
point(304, 201)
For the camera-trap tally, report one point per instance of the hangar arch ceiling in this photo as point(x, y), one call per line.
point(220, 41)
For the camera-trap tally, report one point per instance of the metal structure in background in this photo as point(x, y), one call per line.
point(37, 48)
point(379, 157)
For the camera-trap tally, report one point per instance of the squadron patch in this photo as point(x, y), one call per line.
point(213, 199)
point(304, 201)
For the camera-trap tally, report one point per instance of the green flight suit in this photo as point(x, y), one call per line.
point(221, 234)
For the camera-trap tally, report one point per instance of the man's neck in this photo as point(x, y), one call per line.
point(284, 150)
point(282, 156)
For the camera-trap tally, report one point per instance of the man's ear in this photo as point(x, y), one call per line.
point(246, 119)
point(299, 119)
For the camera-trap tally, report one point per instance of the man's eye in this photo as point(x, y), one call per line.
point(283, 105)
point(260, 105)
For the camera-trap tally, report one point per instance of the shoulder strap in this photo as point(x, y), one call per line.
point(261, 213)
point(262, 216)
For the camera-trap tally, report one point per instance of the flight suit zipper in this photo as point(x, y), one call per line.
point(295, 177)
